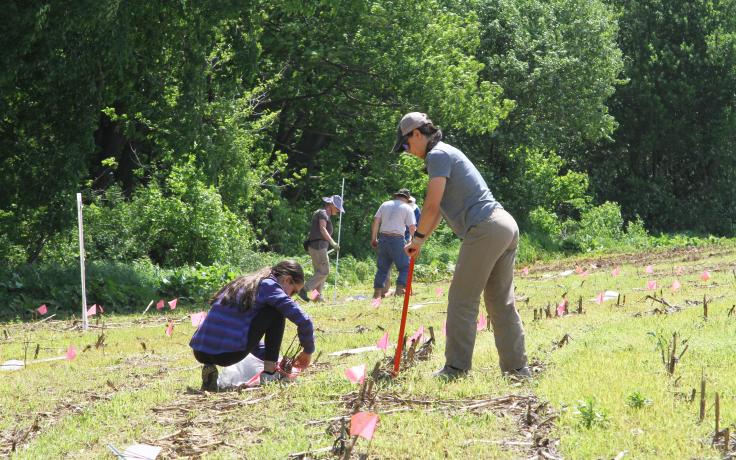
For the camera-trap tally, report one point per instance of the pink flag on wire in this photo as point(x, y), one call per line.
point(172, 303)
point(356, 374)
point(439, 292)
point(198, 318)
point(363, 424)
point(92, 311)
point(616, 271)
point(71, 352)
point(562, 307)
point(649, 269)
point(375, 303)
point(170, 328)
point(160, 305)
point(676, 285)
point(417, 337)
point(599, 299)
point(254, 381)
point(705, 276)
point(578, 269)
point(444, 328)
point(42, 310)
point(313, 295)
point(525, 271)
point(382, 343)
point(651, 284)
point(482, 322)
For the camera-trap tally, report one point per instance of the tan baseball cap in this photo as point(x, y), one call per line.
point(409, 123)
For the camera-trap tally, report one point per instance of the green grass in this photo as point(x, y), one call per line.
point(122, 394)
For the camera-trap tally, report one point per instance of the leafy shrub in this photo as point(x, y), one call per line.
point(637, 400)
point(590, 415)
point(600, 227)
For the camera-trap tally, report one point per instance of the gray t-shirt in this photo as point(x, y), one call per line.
point(315, 236)
point(467, 200)
point(395, 216)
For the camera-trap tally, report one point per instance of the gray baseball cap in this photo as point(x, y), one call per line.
point(409, 123)
point(335, 200)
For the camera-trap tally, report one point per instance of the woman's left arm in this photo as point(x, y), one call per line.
point(430, 215)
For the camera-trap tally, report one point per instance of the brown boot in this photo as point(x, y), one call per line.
point(377, 293)
point(400, 289)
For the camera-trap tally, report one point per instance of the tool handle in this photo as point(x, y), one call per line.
point(400, 341)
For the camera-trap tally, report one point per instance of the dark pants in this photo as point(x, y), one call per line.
point(391, 251)
point(269, 323)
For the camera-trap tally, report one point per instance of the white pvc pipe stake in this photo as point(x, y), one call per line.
point(85, 325)
point(339, 232)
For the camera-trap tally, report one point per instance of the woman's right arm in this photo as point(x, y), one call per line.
point(325, 233)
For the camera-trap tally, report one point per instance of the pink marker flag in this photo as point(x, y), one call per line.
point(584, 274)
point(363, 424)
point(160, 305)
point(599, 299)
point(417, 337)
point(313, 295)
point(562, 307)
point(439, 292)
point(482, 322)
point(42, 310)
point(92, 311)
point(172, 303)
point(71, 352)
point(254, 381)
point(616, 271)
point(376, 302)
point(198, 318)
point(651, 284)
point(578, 269)
point(382, 343)
point(444, 328)
point(525, 271)
point(649, 269)
point(676, 285)
point(170, 328)
point(705, 276)
point(356, 374)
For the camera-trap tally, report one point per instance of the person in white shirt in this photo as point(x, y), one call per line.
point(387, 236)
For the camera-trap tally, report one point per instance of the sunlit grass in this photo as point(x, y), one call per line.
point(110, 395)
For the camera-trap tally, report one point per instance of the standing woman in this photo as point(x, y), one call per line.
point(319, 239)
point(457, 192)
point(244, 311)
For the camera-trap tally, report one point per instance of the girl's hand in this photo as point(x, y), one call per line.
point(303, 360)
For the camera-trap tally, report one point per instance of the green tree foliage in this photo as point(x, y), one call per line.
point(673, 157)
point(198, 131)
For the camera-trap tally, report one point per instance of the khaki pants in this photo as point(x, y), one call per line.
point(321, 264)
point(486, 264)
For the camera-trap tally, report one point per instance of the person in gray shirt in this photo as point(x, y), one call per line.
point(316, 244)
point(457, 192)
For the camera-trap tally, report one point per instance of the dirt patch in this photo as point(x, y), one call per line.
point(638, 258)
point(197, 420)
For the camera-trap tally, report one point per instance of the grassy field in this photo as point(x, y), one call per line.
point(601, 389)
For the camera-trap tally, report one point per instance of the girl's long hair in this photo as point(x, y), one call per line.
point(241, 292)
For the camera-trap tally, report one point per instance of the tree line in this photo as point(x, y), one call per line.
point(198, 131)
